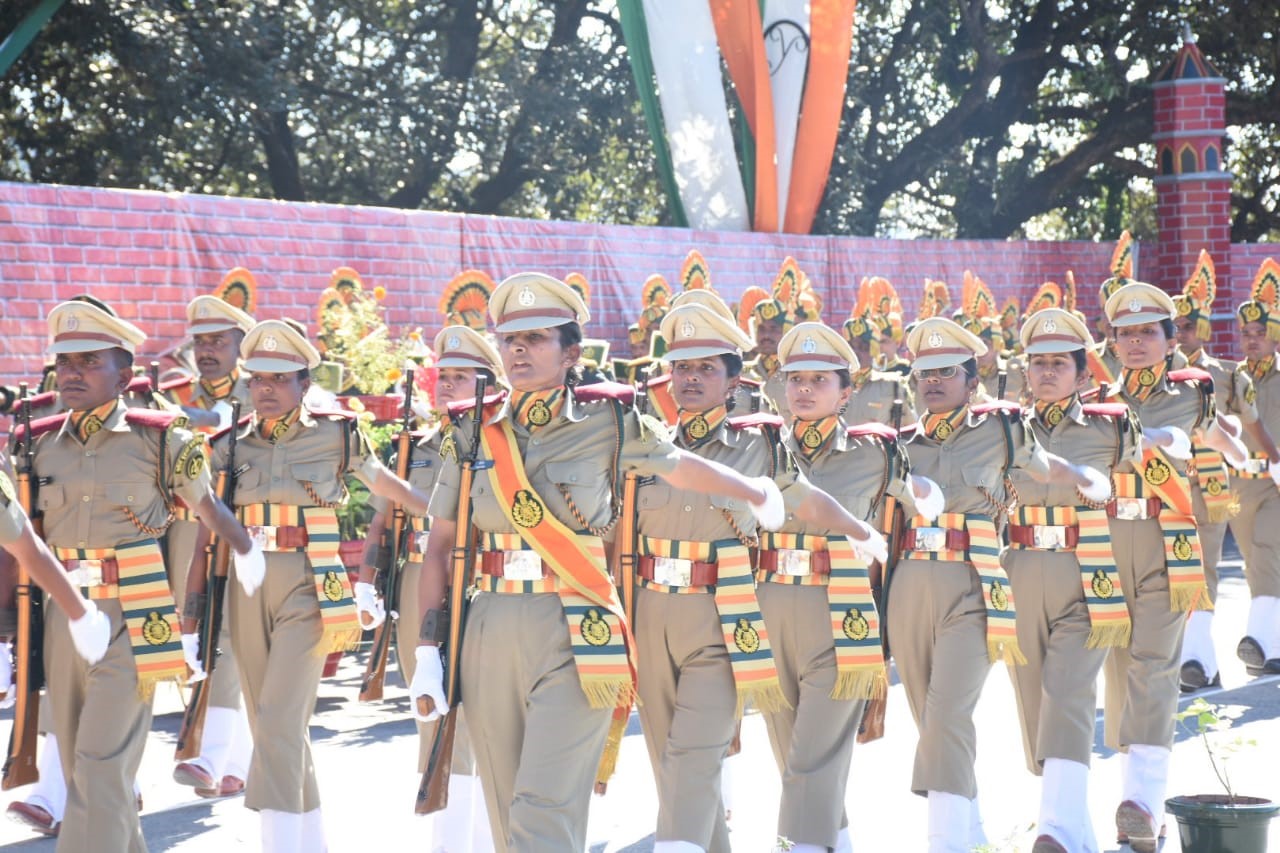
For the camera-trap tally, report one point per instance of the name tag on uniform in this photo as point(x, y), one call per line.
point(420, 463)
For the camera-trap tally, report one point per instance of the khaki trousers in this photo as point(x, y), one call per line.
point(1257, 532)
point(1142, 680)
point(813, 739)
point(407, 628)
point(101, 724)
point(688, 705)
point(537, 742)
point(1056, 688)
point(276, 636)
point(938, 628)
point(224, 684)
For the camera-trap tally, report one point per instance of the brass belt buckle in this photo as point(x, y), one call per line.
point(264, 536)
point(792, 562)
point(1255, 466)
point(1049, 537)
point(931, 539)
point(84, 573)
point(673, 571)
point(421, 541)
point(521, 565)
point(1131, 509)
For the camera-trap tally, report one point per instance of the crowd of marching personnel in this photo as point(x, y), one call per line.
point(754, 510)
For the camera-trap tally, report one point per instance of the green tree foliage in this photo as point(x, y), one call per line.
point(968, 118)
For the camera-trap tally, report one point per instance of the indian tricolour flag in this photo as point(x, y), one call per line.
point(788, 61)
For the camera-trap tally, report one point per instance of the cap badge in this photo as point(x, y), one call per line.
point(686, 329)
point(270, 344)
point(1049, 327)
point(935, 340)
point(809, 345)
point(526, 297)
point(453, 342)
point(72, 323)
point(1135, 305)
point(202, 311)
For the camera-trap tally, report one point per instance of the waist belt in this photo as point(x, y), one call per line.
point(287, 537)
point(94, 570)
point(935, 539)
point(514, 565)
point(794, 562)
point(1134, 509)
point(674, 571)
point(1045, 537)
point(1254, 468)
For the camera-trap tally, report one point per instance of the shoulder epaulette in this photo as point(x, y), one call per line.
point(879, 430)
point(759, 419)
point(40, 426)
point(747, 380)
point(997, 406)
point(597, 391)
point(656, 382)
point(1190, 374)
point(1091, 394)
point(1106, 410)
point(244, 422)
point(46, 398)
point(177, 382)
point(139, 385)
point(462, 407)
point(153, 418)
point(341, 414)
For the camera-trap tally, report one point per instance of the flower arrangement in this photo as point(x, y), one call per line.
point(354, 333)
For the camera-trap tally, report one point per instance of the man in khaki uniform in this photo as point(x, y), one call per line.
point(1156, 549)
point(217, 329)
point(1257, 527)
point(874, 391)
point(289, 612)
point(110, 477)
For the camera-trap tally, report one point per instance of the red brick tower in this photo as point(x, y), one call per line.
point(1193, 192)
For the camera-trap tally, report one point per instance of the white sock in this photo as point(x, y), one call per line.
point(50, 792)
point(676, 847)
point(1064, 804)
point(844, 844)
point(1197, 642)
point(950, 820)
point(215, 743)
point(313, 832)
point(281, 832)
point(1147, 778)
point(1263, 612)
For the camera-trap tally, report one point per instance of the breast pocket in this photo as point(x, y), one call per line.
point(859, 506)
point(654, 496)
point(249, 486)
point(312, 472)
point(586, 484)
point(51, 496)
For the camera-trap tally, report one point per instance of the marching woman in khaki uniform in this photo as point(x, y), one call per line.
point(874, 391)
point(1257, 527)
point(1071, 605)
point(297, 607)
point(547, 656)
point(109, 480)
point(815, 591)
point(1157, 549)
point(462, 354)
point(951, 610)
point(216, 328)
point(703, 649)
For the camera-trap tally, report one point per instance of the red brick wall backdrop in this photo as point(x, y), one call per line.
point(149, 253)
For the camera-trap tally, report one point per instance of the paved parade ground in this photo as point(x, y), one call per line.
point(364, 756)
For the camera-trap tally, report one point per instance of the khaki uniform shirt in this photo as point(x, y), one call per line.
point(854, 471)
point(425, 465)
point(574, 452)
point(1179, 404)
point(1015, 382)
point(11, 514)
point(874, 400)
point(240, 391)
point(89, 491)
point(1081, 440)
point(1232, 387)
point(1264, 397)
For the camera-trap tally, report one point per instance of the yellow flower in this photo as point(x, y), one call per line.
point(379, 293)
point(415, 335)
point(394, 374)
point(354, 404)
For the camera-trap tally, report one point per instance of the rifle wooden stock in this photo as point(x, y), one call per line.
point(375, 669)
point(433, 791)
point(20, 760)
point(217, 565)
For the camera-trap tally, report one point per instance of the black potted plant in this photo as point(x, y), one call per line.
point(1219, 823)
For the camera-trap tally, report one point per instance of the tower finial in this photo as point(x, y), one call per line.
point(1188, 37)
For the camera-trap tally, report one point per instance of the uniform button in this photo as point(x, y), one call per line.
point(80, 544)
point(537, 441)
point(86, 499)
point(88, 453)
point(130, 498)
point(573, 479)
point(688, 508)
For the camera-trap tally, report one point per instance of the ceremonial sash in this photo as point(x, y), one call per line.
point(603, 648)
point(341, 625)
point(1183, 556)
point(984, 555)
point(1098, 368)
point(755, 676)
point(855, 622)
point(149, 612)
point(1109, 623)
point(1211, 473)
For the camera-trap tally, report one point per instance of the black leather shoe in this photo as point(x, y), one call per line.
point(1249, 650)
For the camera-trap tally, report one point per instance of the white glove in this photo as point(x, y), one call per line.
point(251, 568)
point(428, 680)
point(223, 410)
point(1179, 445)
point(933, 502)
point(191, 653)
point(6, 676)
point(1227, 428)
point(873, 547)
point(91, 633)
point(1099, 488)
point(1274, 470)
point(367, 604)
point(771, 513)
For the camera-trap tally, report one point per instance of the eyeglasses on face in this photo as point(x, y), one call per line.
point(939, 373)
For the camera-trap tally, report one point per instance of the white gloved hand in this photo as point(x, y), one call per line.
point(223, 410)
point(874, 547)
point(933, 502)
point(771, 513)
point(428, 680)
point(367, 604)
point(91, 633)
point(251, 568)
point(1099, 488)
point(1273, 469)
point(1171, 440)
point(1227, 429)
point(6, 676)
point(191, 653)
